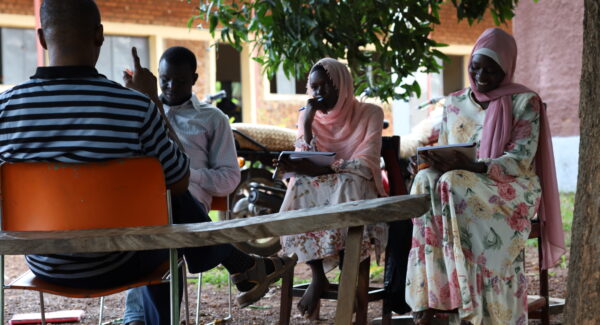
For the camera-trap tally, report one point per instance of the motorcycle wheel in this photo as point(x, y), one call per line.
point(238, 205)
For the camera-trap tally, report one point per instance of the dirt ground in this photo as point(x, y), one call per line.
point(214, 299)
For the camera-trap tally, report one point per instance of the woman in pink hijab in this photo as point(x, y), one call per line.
point(333, 121)
point(467, 252)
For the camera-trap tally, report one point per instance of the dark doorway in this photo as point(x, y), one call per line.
point(229, 78)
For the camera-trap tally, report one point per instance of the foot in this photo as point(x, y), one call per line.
point(311, 299)
point(265, 271)
point(423, 317)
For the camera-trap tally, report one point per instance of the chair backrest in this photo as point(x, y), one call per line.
point(390, 148)
point(44, 196)
point(219, 203)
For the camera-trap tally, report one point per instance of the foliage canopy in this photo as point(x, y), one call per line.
point(383, 41)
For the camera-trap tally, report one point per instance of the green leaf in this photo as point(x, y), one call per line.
point(190, 22)
point(213, 22)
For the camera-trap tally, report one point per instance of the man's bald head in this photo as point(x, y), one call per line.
point(69, 18)
point(69, 26)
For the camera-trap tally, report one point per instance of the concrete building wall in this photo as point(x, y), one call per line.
point(549, 37)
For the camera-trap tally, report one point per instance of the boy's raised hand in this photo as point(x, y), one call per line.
point(140, 79)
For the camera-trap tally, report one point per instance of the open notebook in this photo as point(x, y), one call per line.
point(447, 151)
point(319, 158)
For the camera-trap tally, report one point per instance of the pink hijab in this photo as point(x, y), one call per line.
point(497, 130)
point(352, 129)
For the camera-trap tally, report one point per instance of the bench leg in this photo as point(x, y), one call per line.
point(362, 294)
point(347, 289)
point(285, 308)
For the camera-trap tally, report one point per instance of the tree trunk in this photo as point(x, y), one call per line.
point(583, 288)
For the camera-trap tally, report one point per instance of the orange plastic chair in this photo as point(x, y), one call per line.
point(44, 196)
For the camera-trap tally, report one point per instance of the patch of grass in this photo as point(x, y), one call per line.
point(213, 215)
point(376, 271)
point(567, 203)
point(217, 276)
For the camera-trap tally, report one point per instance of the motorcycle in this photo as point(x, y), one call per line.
point(258, 192)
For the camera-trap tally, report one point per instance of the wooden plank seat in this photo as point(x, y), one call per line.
point(352, 214)
point(349, 214)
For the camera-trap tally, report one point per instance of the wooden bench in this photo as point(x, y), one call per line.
point(352, 214)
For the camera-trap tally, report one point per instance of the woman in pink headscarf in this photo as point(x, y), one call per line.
point(467, 252)
point(333, 121)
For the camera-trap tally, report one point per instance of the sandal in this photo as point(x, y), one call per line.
point(423, 317)
point(257, 274)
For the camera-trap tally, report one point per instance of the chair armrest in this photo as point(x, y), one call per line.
point(219, 232)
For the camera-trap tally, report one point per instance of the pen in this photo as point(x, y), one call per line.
point(319, 100)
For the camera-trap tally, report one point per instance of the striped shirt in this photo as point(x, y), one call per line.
point(74, 115)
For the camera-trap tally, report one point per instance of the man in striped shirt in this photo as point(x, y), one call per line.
point(69, 113)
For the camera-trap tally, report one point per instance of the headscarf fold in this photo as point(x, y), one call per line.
point(497, 129)
point(352, 129)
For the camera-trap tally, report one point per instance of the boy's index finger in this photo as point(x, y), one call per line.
point(136, 59)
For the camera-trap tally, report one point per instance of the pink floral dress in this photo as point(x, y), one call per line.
point(352, 181)
point(467, 251)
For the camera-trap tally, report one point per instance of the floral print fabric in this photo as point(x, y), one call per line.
point(467, 251)
point(352, 181)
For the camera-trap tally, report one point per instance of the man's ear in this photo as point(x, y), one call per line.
point(42, 38)
point(99, 37)
point(195, 78)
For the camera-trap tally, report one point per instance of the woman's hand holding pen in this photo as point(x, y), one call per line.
point(458, 161)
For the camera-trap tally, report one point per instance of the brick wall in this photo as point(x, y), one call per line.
point(177, 12)
point(274, 112)
point(450, 31)
point(17, 7)
point(155, 12)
